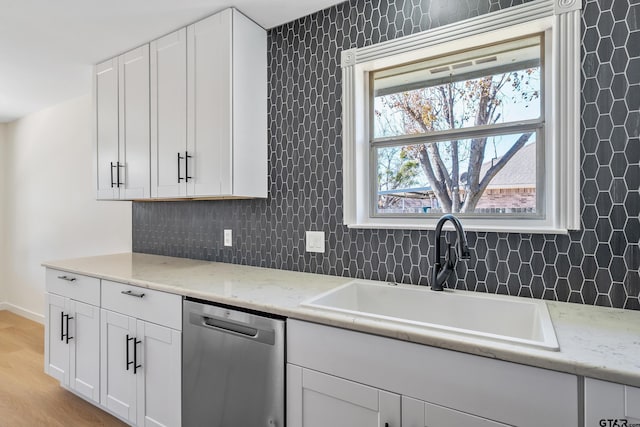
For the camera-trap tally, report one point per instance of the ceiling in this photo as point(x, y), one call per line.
point(47, 48)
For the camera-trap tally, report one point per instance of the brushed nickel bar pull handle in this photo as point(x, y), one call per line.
point(67, 278)
point(133, 294)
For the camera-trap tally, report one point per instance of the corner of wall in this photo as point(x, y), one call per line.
point(51, 212)
point(3, 168)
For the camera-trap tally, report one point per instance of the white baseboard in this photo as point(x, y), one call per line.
point(36, 317)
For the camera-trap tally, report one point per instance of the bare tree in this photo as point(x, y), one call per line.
point(452, 106)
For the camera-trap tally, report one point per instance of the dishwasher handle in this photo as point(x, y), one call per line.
point(266, 336)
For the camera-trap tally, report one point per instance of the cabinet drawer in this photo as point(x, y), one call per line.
point(74, 286)
point(146, 304)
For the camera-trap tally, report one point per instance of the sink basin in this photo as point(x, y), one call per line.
point(497, 318)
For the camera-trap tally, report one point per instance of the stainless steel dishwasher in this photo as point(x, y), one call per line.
point(232, 367)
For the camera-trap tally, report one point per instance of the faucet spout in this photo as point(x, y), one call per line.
point(441, 272)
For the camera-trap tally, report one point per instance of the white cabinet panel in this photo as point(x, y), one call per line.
point(134, 123)
point(604, 400)
point(159, 380)
point(141, 370)
point(169, 115)
point(56, 351)
point(330, 401)
point(249, 108)
point(416, 413)
point(85, 350)
point(632, 403)
point(210, 102)
point(117, 381)
point(106, 127)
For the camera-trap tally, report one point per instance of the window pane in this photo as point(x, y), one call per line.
point(490, 85)
point(494, 175)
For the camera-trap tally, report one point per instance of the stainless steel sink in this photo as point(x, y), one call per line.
point(498, 318)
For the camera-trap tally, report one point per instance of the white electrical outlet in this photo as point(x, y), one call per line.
point(227, 238)
point(314, 241)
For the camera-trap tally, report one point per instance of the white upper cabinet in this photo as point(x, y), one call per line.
point(133, 71)
point(121, 93)
point(209, 110)
point(186, 115)
point(169, 115)
point(210, 102)
point(106, 127)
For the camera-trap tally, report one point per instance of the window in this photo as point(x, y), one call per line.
point(483, 126)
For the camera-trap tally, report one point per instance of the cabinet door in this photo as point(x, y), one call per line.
point(250, 79)
point(315, 399)
point(117, 380)
point(169, 115)
point(105, 86)
point(133, 73)
point(56, 350)
point(604, 400)
point(210, 106)
point(84, 368)
point(416, 413)
point(159, 378)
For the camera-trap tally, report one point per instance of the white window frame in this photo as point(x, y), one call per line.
point(559, 20)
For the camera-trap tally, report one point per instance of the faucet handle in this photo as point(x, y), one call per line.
point(465, 252)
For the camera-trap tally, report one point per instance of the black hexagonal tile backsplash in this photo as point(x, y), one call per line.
point(597, 265)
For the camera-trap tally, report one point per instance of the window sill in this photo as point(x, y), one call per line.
point(430, 224)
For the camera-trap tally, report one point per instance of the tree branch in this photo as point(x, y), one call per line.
point(493, 170)
point(435, 159)
point(436, 185)
point(475, 195)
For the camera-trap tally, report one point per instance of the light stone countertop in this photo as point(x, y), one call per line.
point(596, 342)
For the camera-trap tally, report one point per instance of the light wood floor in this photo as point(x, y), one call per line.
point(29, 397)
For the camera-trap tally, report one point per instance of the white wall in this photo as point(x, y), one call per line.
point(50, 208)
point(3, 129)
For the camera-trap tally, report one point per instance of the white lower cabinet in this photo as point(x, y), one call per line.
point(141, 368)
point(72, 332)
point(316, 399)
point(118, 379)
point(610, 404)
point(345, 378)
point(72, 346)
point(119, 347)
point(319, 400)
